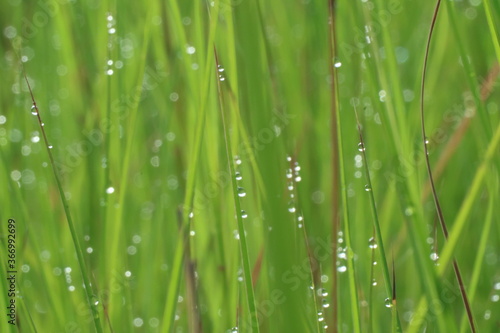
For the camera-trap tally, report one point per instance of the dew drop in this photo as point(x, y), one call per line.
point(110, 190)
point(434, 256)
point(291, 207)
point(244, 214)
point(241, 192)
point(325, 304)
point(234, 330)
point(361, 147)
point(50, 146)
point(367, 188)
point(341, 269)
point(322, 292)
point(388, 303)
point(374, 282)
point(34, 110)
point(238, 175)
point(372, 243)
point(288, 158)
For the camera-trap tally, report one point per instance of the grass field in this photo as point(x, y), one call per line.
point(197, 166)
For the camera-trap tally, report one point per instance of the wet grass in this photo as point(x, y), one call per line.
point(229, 193)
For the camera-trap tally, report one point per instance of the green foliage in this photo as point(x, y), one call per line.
point(132, 102)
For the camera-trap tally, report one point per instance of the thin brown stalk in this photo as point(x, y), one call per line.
point(429, 170)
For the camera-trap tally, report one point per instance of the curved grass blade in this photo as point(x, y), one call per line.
point(429, 170)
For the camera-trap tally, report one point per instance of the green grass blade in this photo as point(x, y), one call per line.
point(91, 299)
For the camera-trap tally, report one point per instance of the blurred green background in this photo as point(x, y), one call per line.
point(132, 95)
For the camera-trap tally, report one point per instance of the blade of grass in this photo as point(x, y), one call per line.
point(428, 165)
point(115, 218)
point(79, 253)
point(173, 287)
point(332, 43)
point(376, 223)
point(396, 326)
point(347, 227)
point(483, 242)
point(247, 271)
point(491, 26)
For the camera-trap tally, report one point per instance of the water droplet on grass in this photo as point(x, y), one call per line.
point(238, 175)
point(367, 188)
point(341, 269)
point(110, 190)
point(372, 243)
point(291, 207)
point(361, 147)
point(190, 49)
point(34, 110)
point(241, 192)
point(244, 214)
point(434, 256)
point(322, 292)
point(388, 303)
